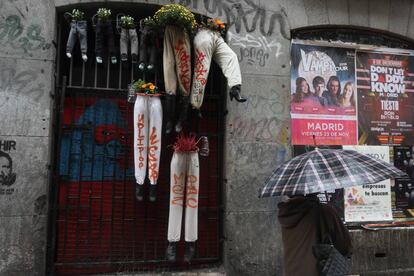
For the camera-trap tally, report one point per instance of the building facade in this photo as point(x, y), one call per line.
point(256, 133)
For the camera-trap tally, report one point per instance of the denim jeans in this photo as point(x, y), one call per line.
point(104, 33)
point(77, 31)
point(147, 46)
point(128, 35)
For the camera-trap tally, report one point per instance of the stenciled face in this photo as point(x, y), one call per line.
point(348, 91)
point(304, 87)
point(5, 169)
point(319, 89)
point(334, 87)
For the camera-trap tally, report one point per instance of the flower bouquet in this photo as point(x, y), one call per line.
point(216, 25)
point(175, 14)
point(103, 13)
point(141, 86)
point(127, 22)
point(77, 15)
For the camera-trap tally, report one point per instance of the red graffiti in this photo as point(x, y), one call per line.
point(140, 139)
point(199, 70)
point(152, 158)
point(178, 190)
point(192, 192)
point(183, 58)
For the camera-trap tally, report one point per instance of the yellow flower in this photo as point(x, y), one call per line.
point(144, 86)
point(152, 87)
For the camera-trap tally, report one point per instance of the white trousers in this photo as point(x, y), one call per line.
point(177, 60)
point(210, 45)
point(147, 137)
point(184, 185)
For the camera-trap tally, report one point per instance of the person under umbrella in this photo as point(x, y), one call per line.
point(305, 221)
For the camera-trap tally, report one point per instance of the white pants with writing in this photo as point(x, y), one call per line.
point(184, 195)
point(177, 60)
point(210, 45)
point(147, 137)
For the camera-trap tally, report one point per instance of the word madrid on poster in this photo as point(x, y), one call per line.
point(323, 99)
point(369, 202)
point(385, 98)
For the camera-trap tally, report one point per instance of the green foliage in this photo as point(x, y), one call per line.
point(141, 86)
point(127, 22)
point(77, 14)
point(103, 13)
point(175, 14)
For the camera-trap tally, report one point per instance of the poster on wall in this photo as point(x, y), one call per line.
point(323, 100)
point(368, 203)
point(385, 89)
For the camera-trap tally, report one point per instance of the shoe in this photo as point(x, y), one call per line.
point(150, 67)
point(134, 58)
point(84, 57)
point(190, 249)
point(235, 93)
point(69, 55)
point(171, 252)
point(114, 60)
point(124, 57)
point(169, 112)
point(205, 147)
point(153, 193)
point(98, 60)
point(141, 66)
point(139, 192)
point(182, 117)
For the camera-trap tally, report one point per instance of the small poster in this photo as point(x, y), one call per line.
point(372, 202)
point(323, 95)
point(385, 89)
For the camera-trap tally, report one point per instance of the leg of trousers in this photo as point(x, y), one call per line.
point(133, 37)
point(147, 137)
point(71, 38)
point(99, 38)
point(82, 35)
point(143, 45)
point(184, 170)
point(177, 60)
point(109, 33)
point(123, 41)
point(204, 49)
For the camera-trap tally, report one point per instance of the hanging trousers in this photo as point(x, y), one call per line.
point(210, 45)
point(104, 33)
point(147, 137)
point(184, 186)
point(147, 47)
point(128, 35)
point(77, 31)
point(177, 61)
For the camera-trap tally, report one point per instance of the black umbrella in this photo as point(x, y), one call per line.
point(327, 169)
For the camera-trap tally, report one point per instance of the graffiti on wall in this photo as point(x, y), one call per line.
point(22, 83)
point(7, 176)
point(254, 50)
point(243, 15)
point(19, 38)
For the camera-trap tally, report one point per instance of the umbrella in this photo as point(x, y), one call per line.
point(327, 169)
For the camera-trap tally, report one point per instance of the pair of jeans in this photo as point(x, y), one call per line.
point(177, 60)
point(77, 31)
point(104, 35)
point(210, 45)
point(147, 137)
point(128, 35)
point(147, 46)
point(184, 189)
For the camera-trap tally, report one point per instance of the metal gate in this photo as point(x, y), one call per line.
point(97, 224)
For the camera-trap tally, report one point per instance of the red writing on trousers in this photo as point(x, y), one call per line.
point(191, 192)
point(178, 190)
point(184, 64)
point(152, 158)
point(140, 140)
